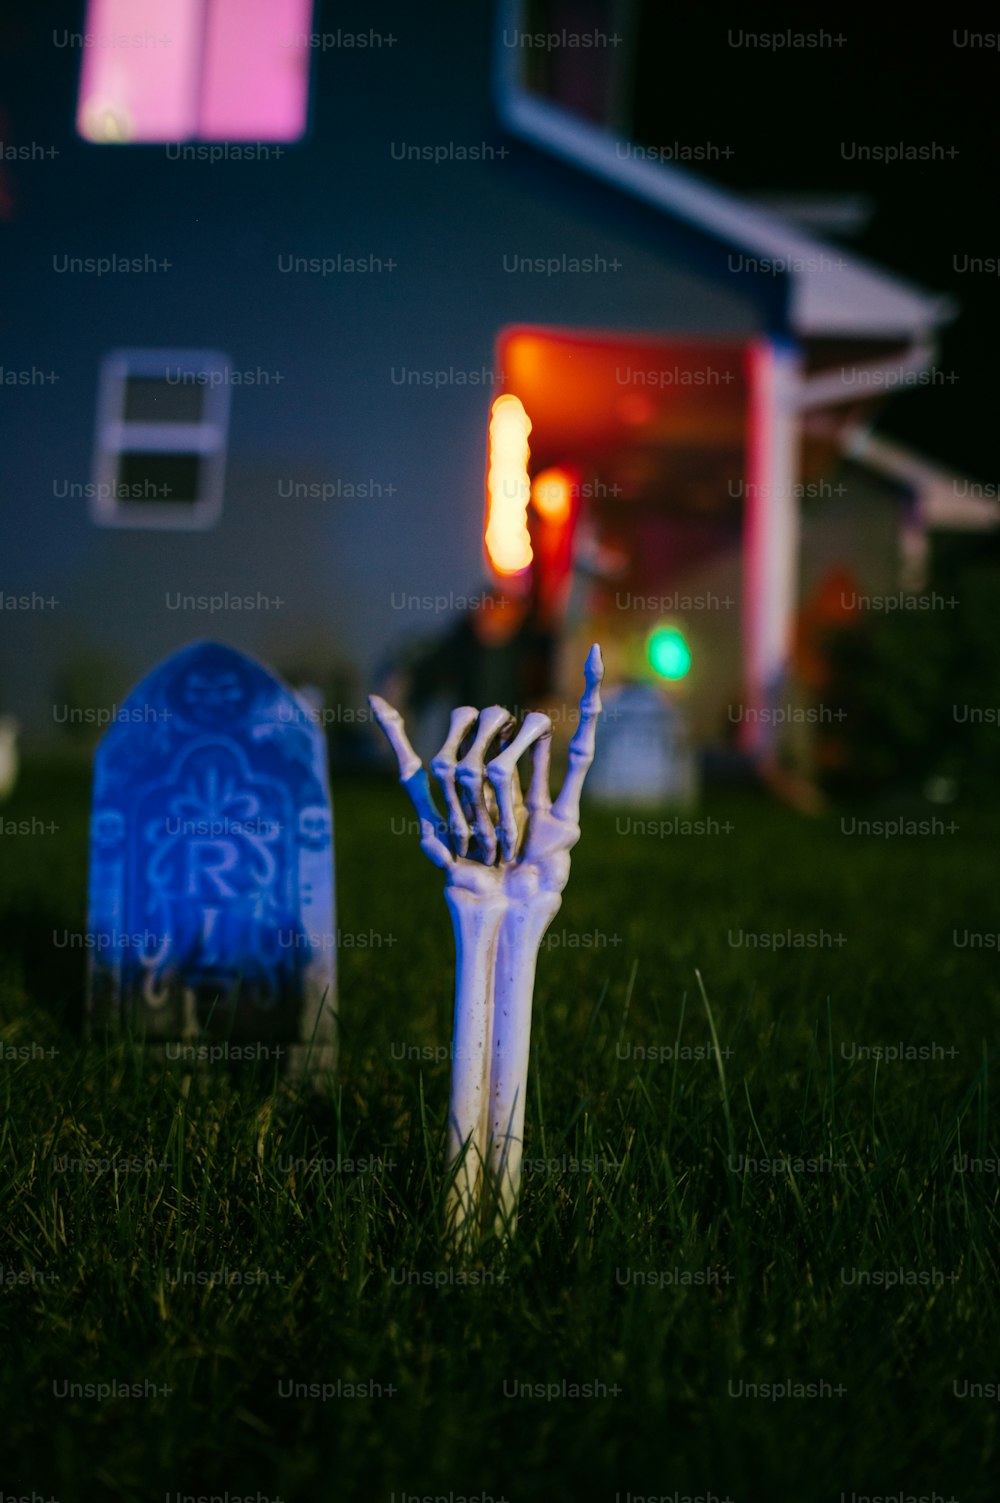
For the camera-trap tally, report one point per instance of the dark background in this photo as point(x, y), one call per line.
point(786, 115)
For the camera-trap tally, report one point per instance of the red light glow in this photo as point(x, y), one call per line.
point(552, 495)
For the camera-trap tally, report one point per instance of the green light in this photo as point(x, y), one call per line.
point(668, 652)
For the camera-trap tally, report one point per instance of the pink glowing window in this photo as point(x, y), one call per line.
point(175, 70)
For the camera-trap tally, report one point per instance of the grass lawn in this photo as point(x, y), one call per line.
point(789, 1211)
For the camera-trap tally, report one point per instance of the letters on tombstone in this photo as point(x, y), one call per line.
point(211, 859)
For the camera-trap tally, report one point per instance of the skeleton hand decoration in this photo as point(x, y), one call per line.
point(504, 879)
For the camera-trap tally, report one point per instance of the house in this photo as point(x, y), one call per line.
point(258, 331)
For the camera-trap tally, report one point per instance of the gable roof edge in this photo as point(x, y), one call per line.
point(832, 293)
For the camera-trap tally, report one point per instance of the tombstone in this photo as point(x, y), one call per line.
point(644, 755)
point(211, 862)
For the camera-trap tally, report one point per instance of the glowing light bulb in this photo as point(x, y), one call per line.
point(668, 652)
point(508, 488)
point(551, 493)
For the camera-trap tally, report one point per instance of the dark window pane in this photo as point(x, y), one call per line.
point(173, 478)
point(151, 399)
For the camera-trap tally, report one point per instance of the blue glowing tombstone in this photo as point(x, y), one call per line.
point(644, 755)
point(211, 862)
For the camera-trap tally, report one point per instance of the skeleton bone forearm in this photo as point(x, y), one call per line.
point(521, 932)
point(476, 919)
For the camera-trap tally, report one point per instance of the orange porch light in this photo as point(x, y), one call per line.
point(508, 489)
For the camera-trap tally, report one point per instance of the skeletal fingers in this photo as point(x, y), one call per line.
point(471, 785)
point(502, 773)
point(414, 779)
point(443, 767)
point(391, 722)
point(469, 773)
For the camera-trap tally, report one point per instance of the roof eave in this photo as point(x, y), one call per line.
point(832, 293)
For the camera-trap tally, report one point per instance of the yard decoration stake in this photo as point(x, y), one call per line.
point(506, 861)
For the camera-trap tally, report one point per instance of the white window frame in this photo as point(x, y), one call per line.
point(117, 435)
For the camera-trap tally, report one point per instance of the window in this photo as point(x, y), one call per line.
point(177, 70)
point(162, 419)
